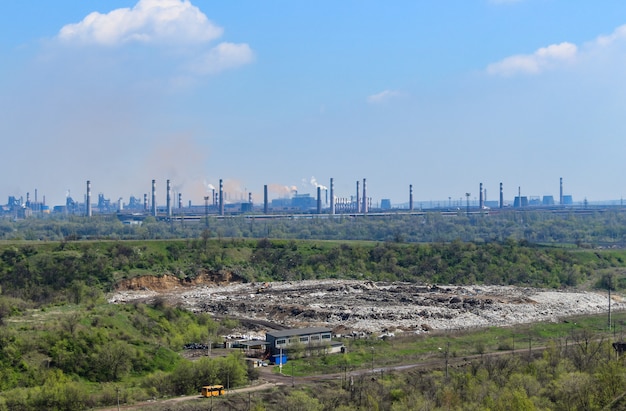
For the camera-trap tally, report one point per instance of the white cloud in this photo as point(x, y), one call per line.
point(542, 59)
point(382, 97)
point(618, 34)
point(150, 21)
point(222, 57)
point(559, 55)
point(175, 25)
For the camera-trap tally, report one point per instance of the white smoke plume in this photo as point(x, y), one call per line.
point(315, 184)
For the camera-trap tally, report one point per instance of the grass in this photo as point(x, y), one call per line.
point(418, 348)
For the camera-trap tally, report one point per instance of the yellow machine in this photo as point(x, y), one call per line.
point(213, 390)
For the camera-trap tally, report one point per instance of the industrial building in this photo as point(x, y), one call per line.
point(312, 338)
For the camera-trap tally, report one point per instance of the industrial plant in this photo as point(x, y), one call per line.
point(324, 201)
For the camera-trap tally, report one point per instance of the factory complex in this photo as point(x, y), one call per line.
point(323, 202)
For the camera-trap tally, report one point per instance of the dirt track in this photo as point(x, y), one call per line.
point(364, 306)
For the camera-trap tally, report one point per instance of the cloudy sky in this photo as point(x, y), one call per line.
point(442, 95)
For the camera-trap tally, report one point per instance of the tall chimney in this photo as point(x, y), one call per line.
point(319, 200)
point(332, 197)
point(481, 203)
point(410, 197)
point(88, 201)
point(145, 202)
point(180, 200)
point(358, 199)
point(265, 200)
point(364, 208)
point(221, 197)
point(154, 207)
point(501, 197)
point(561, 191)
point(169, 199)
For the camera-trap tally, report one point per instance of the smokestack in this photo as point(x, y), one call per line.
point(332, 197)
point(180, 200)
point(154, 207)
point(88, 198)
point(35, 195)
point(364, 208)
point(501, 197)
point(265, 200)
point(169, 199)
point(250, 197)
point(481, 203)
point(145, 202)
point(319, 200)
point(358, 199)
point(221, 197)
point(561, 191)
point(410, 197)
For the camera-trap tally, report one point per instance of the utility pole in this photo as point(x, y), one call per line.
point(610, 283)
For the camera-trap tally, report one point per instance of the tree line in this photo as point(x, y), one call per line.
point(48, 272)
point(582, 228)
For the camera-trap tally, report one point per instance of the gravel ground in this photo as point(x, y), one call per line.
point(365, 306)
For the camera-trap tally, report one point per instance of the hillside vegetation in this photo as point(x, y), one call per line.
point(62, 347)
point(44, 273)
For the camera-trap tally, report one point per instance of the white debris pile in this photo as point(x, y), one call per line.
point(378, 307)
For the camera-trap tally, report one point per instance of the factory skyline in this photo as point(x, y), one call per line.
point(324, 199)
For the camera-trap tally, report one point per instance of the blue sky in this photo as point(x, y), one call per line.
point(442, 95)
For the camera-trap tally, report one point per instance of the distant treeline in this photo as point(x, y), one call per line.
point(583, 228)
point(45, 272)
